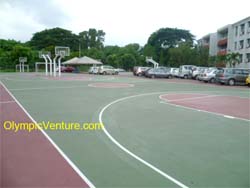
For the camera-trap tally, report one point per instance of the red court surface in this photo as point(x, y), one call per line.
point(226, 105)
point(29, 159)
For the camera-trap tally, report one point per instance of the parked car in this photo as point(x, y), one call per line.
point(134, 70)
point(196, 71)
point(209, 75)
point(140, 71)
point(66, 69)
point(158, 73)
point(174, 72)
point(185, 71)
point(120, 70)
point(93, 70)
point(202, 73)
point(107, 69)
point(232, 76)
point(248, 80)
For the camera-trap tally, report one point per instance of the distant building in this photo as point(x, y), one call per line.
point(232, 38)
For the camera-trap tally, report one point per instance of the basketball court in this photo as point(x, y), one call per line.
point(156, 133)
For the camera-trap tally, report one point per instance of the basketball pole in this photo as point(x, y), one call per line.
point(23, 66)
point(50, 65)
point(59, 65)
point(54, 62)
point(46, 65)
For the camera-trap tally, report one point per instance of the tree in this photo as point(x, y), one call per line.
point(183, 54)
point(162, 40)
point(232, 59)
point(127, 61)
point(54, 37)
point(202, 56)
point(21, 51)
point(92, 39)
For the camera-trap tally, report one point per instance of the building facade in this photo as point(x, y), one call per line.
point(233, 38)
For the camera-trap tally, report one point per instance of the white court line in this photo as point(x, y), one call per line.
point(230, 117)
point(84, 178)
point(6, 102)
point(126, 85)
point(131, 153)
point(44, 88)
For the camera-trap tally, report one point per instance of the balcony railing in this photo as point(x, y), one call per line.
point(222, 42)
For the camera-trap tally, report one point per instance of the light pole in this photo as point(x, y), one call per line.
point(79, 39)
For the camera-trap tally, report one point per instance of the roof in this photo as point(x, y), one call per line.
point(82, 61)
point(71, 61)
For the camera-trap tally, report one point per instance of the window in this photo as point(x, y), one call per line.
point(248, 28)
point(245, 71)
point(242, 29)
point(248, 43)
point(235, 45)
point(229, 71)
point(238, 71)
point(240, 58)
point(248, 57)
point(241, 44)
point(236, 31)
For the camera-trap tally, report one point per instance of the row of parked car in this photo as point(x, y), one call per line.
point(104, 69)
point(229, 76)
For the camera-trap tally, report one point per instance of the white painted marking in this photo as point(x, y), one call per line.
point(6, 102)
point(131, 153)
point(45, 88)
point(230, 117)
point(91, 185)
point(97, 85)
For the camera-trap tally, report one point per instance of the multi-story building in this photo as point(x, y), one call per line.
point(209, 41)
point(233, 38)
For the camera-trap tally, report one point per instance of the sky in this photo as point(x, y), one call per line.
point(123, 21)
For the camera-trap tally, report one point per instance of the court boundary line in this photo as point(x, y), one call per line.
point(76, 169)
point(128, 151)
point(74, 78)
point(45, 88)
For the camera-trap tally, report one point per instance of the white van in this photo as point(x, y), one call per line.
point(185, 71)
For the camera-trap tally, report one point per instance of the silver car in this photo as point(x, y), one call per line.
point(93, 70)
point(209, 75)
point(107, 69)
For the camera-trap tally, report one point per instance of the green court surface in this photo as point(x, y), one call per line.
point(146, 142)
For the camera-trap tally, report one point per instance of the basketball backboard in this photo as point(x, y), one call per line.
point(22, 59)
point(62, 51)
point(44, 53)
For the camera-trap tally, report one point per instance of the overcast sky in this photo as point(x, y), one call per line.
point(123, 21)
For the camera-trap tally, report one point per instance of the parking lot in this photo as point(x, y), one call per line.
point(157, 132)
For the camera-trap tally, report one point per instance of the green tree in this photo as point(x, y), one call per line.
point(54, 37)
point(232, 59)
point(21, 51)
point(183, 54)
point(162, 40)
point(127, 61)
point(92, 39)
